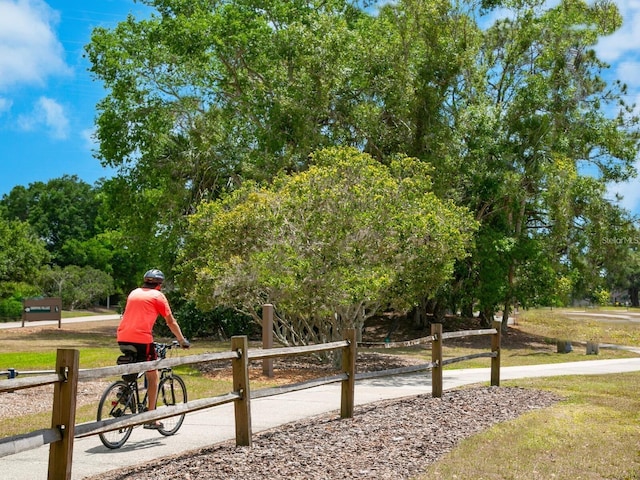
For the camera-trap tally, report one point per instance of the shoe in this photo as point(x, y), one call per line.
point(153, 426)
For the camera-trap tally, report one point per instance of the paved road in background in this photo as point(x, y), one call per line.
point(211, 426)
point(65, 321)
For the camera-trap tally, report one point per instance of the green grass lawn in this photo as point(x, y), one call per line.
point(594, 433)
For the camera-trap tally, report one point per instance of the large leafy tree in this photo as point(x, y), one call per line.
point(79, 287)
point(63, 212)
point(540, 113)
point(328, 247)
point(22, 253)
point(206, 94)
point(78, 226)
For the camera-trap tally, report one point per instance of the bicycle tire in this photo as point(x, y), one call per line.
point(117, 401)
point(171, 391)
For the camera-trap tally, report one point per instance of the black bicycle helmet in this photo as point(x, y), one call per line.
point(154, 276)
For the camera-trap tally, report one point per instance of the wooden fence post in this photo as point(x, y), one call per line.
point(436, 358)
point(240, 368)
point(495, 347)
point(267, 338)
point(64, 414)
point(349, 367)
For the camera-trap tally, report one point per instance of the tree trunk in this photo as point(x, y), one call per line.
point(466, 310)
point(420, 315)
point(486, 317)
point(439, 311)
point(505, 317)
point(633, 295)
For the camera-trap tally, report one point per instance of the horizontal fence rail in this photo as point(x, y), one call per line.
point(294, 387)
point(449, 361)
point(396, 371)
point(94, 428)
point(29, 441)
point(302, 350)
point(60, 435)
point(19, 383)
point(468, 333)
point(405, 343)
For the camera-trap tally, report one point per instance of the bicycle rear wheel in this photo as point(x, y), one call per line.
point(171, 391)
point(117, 401)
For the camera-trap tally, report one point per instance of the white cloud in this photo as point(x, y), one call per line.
point(5, 105)
point(29, 49)
point(624, 41)
point(629, 69)
point(48, 113)
point(629, 191)
point(88, 134)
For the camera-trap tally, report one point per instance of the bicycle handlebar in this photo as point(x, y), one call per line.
point(161, 348)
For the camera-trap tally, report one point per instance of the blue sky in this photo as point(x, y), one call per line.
point(47, 95)
point(48, 98)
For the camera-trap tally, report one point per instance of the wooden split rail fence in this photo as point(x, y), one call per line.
point(67, 374)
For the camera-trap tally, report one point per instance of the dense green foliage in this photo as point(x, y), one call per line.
point(21, 252)
point(328, 247)
point(11, 296)
point(219, 323)
point(63, 212)
point(79, 287)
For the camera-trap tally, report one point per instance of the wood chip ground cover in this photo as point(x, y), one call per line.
point(392, 439)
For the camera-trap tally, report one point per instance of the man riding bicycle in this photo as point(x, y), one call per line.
point(143, 306)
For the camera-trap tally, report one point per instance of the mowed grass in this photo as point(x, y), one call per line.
point(594, 433)
point(532, 340)
point(614, 326)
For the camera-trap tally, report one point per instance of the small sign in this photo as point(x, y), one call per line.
point(48, 308)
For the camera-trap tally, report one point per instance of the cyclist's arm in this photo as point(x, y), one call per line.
point(172, 323)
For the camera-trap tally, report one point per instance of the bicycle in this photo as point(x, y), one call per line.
point(122, 398)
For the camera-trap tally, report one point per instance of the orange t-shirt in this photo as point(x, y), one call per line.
point(140, 314)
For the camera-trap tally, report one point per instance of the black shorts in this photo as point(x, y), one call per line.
point(145, 352)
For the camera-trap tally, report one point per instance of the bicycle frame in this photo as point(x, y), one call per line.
point(122, 398)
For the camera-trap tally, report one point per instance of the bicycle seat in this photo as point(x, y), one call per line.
point(130, 355)
point(124, 359)
point(128, 350)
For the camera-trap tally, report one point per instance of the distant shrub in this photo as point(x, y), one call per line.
point(11, 296)
point(220, 323)
point(10, 309)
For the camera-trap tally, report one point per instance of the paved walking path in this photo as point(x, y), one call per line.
point(64, 321)
point(214, 425)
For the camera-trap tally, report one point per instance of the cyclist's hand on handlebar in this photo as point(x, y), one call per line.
point(185, 343)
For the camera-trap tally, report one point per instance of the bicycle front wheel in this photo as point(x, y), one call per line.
point(117, 401)
point(171, 391)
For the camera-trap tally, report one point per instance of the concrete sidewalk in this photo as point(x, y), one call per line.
point(42, 323)
point(214, 425)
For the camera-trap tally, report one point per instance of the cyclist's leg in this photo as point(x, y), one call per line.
point(172, 391)
point(152, 389)
point(146, 352)
point(152, 377)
